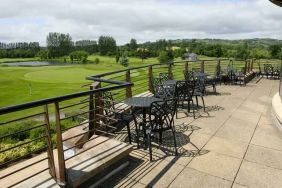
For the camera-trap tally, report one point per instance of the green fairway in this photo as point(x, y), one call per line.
point(60, 75)
point(24, 84)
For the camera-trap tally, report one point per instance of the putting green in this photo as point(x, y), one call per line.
point(66, 75)
point(60, 75)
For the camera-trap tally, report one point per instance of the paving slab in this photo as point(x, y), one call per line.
point(256, 175)
point(193, 178)
point(265, 156)
point(233, 148)
point(217, 165)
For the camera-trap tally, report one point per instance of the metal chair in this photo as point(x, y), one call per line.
point(189, 75)
point(268, 70)
point(184, 93)
point(200, 89)
point(166, 91)
point(161, 117)
point(113, 116)
point(163, 77)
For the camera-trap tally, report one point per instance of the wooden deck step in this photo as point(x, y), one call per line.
point(96, 155)
point(43, 179)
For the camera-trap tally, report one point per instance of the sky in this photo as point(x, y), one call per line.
point(144, 20)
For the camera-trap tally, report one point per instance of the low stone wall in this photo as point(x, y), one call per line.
point(277, 110)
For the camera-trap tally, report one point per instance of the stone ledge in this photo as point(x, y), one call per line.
point(277, 110)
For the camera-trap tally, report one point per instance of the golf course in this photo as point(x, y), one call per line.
point(24, 84)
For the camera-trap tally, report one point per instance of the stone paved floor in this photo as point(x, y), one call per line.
point(239, 145)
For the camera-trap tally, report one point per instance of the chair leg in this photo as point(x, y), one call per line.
point(203, 103)
point(150, 145)
point(197, 101)
point(161, 137)
point(193, 108)
point(174, 139)
point(128, 132)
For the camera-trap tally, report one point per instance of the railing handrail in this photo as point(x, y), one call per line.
point(156, 64)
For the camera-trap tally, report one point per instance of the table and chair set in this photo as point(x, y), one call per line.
point(152, 116)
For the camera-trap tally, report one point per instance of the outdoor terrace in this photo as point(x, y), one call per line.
point(240, 145)
point(234, 143)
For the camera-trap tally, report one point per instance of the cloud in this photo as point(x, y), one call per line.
point(31, 20)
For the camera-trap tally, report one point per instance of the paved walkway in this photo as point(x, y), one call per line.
point(240, 145)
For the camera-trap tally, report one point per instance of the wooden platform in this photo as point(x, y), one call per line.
point(43, 179)
point(98, 154)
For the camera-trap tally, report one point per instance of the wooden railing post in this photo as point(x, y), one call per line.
point(170, 74)
point(186, 66)
point(98, 105)
point(128, 89)
point(50, 154)
point(150, 79)
point(91, 115)
point(246, 66)
point(252, 65)
point(202, 66)
point(218, 68)
point(61, 180)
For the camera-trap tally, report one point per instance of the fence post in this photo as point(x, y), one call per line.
point(202, 66)
point(170, 74)
point(150, 79)
point(128, 89)
point(60, 149)
point(91, 116)
point(50, 154)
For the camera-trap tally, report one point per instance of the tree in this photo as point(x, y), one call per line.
point(165, 57)
point(124, 59)
point(89, 46)
point(275, 50)
point(107, 45)
point(217, 50)
point(59, 44)
point(133, 45)
point(143, 53)
point(243, 51)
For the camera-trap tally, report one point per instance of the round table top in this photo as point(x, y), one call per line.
point(144, 102)
point(170, 82)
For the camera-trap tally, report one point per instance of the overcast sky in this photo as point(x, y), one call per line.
point(31, 20)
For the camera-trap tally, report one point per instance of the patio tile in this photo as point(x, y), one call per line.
point(265, 156)
point(193, 178)
point(236, 185)
point(268, 138)
point(225, 146)
point(216, 164)
point(230, 131)
point(255, 175)
point(162, 174)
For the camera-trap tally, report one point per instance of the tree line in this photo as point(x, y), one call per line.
point(60, 44)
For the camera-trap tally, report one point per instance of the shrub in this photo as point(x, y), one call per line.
point(165, 56)
point(97, 60)
point(43, 54)
point(80, 56)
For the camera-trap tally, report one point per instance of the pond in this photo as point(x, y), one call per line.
point(29, 64)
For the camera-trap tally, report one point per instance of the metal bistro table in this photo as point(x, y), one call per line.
point(144, 103)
